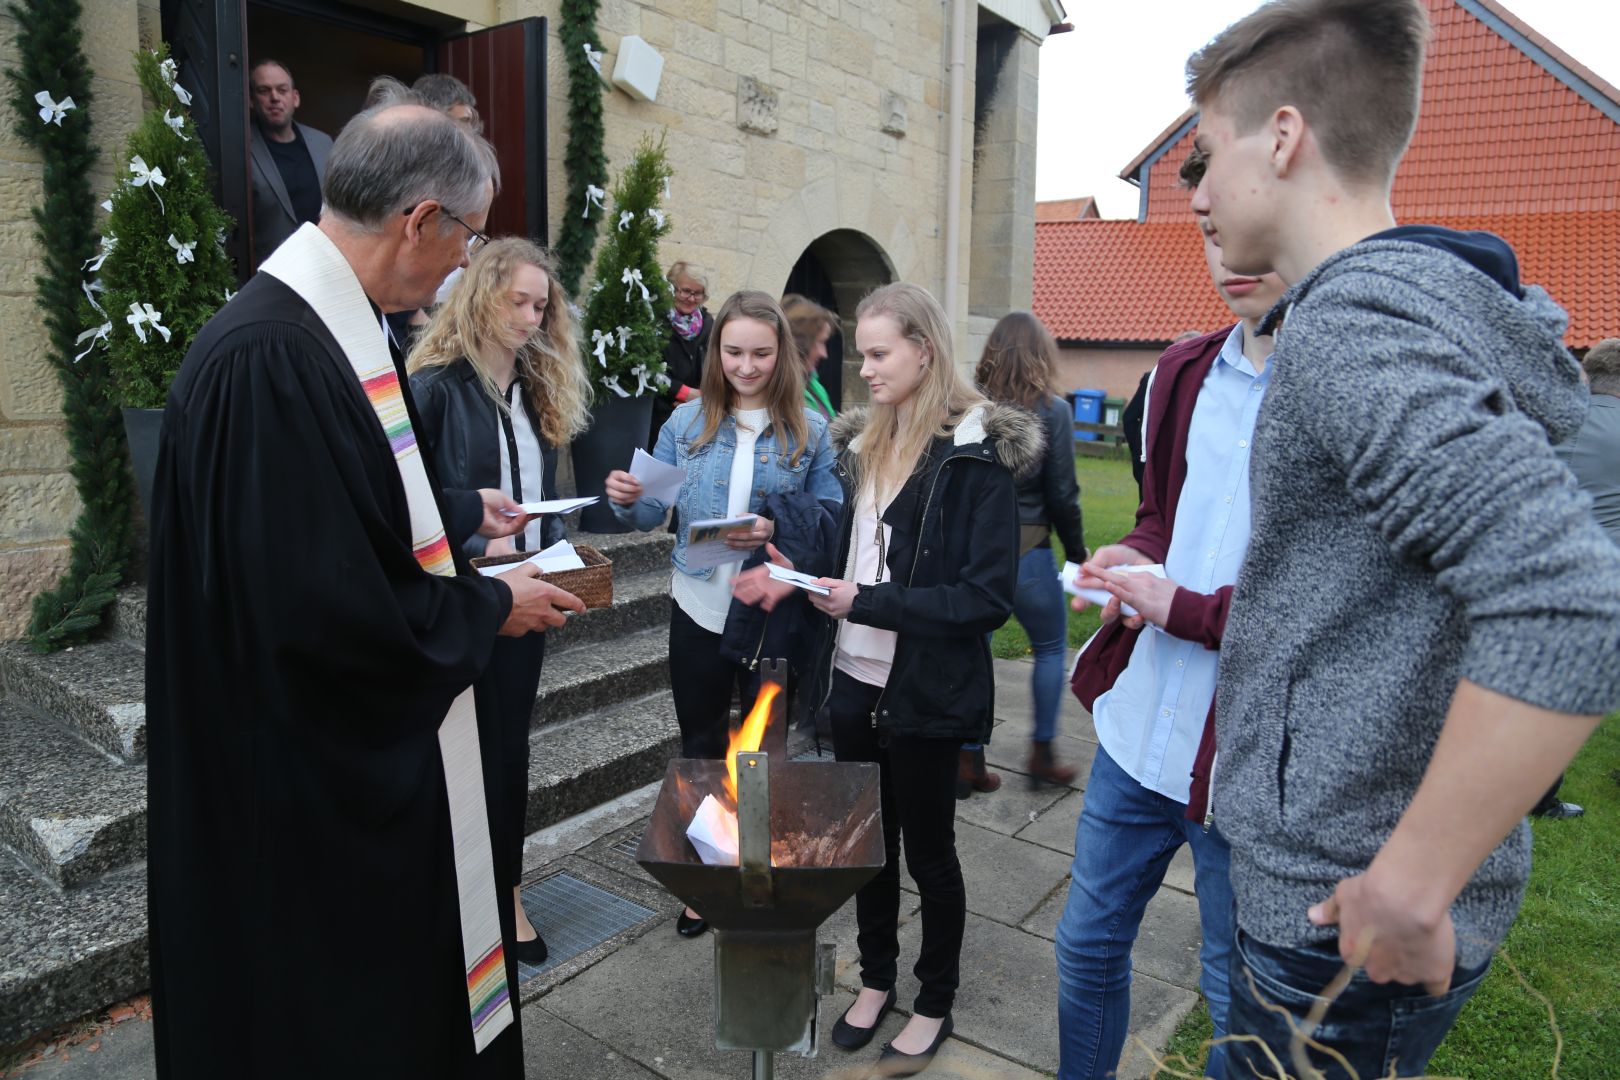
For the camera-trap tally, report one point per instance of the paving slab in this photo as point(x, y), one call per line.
point(1011, 808)
point(1010, 757)
point(554, 1048)
point(1054, 827)
point(1006, 878)
point(121, 1052)
point(1166, 945)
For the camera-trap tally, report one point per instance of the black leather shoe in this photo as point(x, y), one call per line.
point(1557, 809)
point(850, 1037)
point(894, 1062)
point(531, 952)
point(686, 926)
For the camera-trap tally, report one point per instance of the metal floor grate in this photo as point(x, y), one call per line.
point(573, 916)
point(809, 753)
point(627, 847)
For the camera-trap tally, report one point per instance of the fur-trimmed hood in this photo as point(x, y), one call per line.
point(1015, 435)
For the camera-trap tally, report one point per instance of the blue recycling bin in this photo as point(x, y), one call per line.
point(1088, 406)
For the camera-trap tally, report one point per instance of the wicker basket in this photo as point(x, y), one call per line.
point(592, 583)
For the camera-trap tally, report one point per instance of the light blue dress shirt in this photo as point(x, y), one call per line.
point(1151, 720)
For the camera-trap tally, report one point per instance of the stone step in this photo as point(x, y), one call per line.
point(67, 953)
point(586, 761)
point(633, 555)
point(592, 676)
point(640, 602)
point(97, 690)
point(67, 809)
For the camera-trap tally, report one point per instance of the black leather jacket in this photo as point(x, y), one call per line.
point(460, 428)
point(953, 566)
point(1050, 495)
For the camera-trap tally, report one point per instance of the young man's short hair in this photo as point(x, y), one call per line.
point(1602, 364)
point(1353, 68)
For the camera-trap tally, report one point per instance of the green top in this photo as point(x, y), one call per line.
point(815, 396)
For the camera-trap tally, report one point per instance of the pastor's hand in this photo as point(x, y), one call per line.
point(536, 605)
point(1383, 931)
point(502, 516)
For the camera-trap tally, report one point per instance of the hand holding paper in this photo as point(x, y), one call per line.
point(1128, 577)
point(549, 506)
point(659, 482)
point(706, 542)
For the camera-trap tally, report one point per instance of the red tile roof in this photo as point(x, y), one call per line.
point(1503, 143)
point(1066, 209)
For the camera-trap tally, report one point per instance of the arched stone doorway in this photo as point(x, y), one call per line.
point(836, 270)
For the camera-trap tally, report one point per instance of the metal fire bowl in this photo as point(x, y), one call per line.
point(817, 798)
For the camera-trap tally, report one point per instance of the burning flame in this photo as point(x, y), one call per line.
point(747, 738)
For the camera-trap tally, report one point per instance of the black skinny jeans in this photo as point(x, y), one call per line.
point(701, 681)
point(918, 797)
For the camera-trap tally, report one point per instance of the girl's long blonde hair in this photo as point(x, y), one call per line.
point(1019, 362)
point(890, 453)
point(475, 316)
point(784, 389)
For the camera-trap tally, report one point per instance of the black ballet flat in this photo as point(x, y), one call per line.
point(850, 1037)
point(894, 1062)
point(686, 926)
point(533, 952)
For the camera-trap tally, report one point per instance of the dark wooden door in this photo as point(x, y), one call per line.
point(505, 67)
point(208, 40)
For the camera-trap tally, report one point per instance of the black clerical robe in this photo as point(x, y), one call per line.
point(303, 903)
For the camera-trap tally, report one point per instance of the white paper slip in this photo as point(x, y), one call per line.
point(556, 506)
point(559, 556)
point(713, 832)
point(706, 545)
point(797, 579)
point(659, 481)
point(1100, 597)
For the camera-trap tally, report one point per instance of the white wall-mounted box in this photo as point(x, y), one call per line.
point(638, 69)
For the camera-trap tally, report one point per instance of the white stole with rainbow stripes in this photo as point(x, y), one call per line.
point(310, 265)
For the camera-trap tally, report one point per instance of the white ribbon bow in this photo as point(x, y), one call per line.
point(51, 112)
point(625, 218)
point(663, 381)
point(666, 187)
point(624, 336)
point(93, 263)
point(152, 179)
point(632, 278)
point(640, 372)
point(94, 334)
point(107, 205)
point(657, 215)
point(612, 383)
point(171, 75)
point(593, 57)
point(142, 315)
point(90, 289)
point(593, 197)
point(600, 341)
point(184, 253)
point(230, 294)
point(178, 123)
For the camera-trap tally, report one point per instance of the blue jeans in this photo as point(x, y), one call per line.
point(1038, 605)
point(1122, 847)
point(1382, 1030)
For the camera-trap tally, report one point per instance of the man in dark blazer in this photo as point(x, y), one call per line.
point(289, 160)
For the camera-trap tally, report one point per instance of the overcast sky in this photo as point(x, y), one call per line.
point(1110, 87)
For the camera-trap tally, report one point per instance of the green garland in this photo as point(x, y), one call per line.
point(48, 41)
point(585, 161)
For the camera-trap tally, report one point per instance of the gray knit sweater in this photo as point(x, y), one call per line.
point(1411, 526)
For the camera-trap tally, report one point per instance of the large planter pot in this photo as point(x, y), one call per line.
point(143, 427)
point(618, 426)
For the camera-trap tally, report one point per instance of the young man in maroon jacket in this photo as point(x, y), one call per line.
point(1152, 693)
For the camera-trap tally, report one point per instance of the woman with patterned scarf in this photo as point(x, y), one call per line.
point(688, 339)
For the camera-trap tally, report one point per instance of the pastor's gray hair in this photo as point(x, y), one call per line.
point(399, 152)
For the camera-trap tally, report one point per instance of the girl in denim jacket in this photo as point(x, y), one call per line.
point(746, 439)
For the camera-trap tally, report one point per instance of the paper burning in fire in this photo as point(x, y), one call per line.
point(713, 830)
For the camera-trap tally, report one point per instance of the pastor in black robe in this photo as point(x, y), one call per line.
point(303, 903)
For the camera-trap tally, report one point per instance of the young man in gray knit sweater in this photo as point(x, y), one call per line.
point(1424, 630)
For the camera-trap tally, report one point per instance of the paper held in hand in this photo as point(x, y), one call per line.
point(706, 541)
point(1100, 597)
point(659, 482)
point(796, 579)
point(559, 556)
point(554, 506)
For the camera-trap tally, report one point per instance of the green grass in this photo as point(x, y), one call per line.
point(1108, 500)
point(1566, 944)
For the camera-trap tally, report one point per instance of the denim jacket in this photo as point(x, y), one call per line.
point(705, 493)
